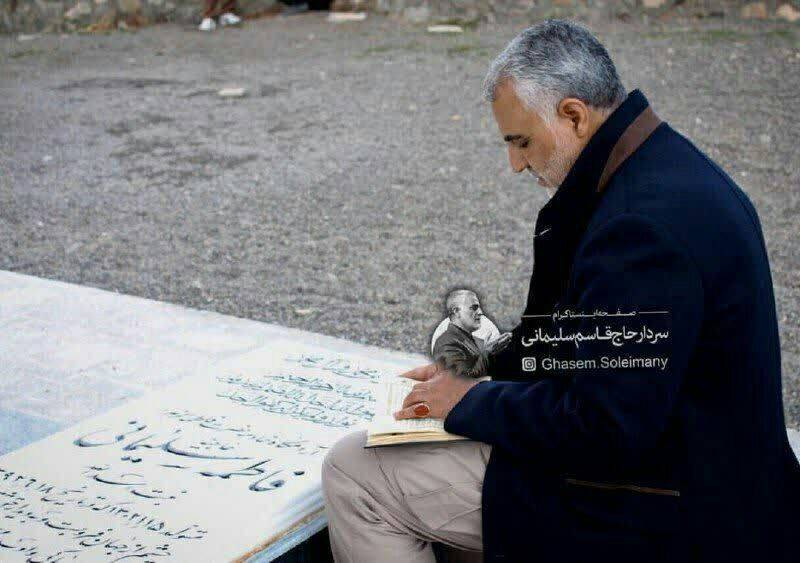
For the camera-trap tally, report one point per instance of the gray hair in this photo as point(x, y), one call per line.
point(553, 60)
point(454, 299)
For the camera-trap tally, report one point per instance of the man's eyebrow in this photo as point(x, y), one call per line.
point(509, 138)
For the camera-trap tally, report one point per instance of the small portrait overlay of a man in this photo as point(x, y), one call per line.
point(466, 339)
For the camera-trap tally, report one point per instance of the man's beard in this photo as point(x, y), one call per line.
point(560, 163)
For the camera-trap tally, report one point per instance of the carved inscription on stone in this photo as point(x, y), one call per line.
point(205, 470)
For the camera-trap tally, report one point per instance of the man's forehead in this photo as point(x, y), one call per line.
point(506, 93)
point(470, 299)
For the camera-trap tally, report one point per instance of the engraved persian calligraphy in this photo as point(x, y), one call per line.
point(207, 469)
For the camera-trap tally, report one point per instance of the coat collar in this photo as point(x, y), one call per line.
point(616, 139)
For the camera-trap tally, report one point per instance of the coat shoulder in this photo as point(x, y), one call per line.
point(671, 182)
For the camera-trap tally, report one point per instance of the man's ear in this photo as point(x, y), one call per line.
point(578, 114)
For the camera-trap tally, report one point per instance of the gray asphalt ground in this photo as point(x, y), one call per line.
point(360, 177)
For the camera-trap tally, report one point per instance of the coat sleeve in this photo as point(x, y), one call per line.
point(630, 263)
point(504, 365)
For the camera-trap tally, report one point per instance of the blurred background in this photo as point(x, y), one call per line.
point(340, 176)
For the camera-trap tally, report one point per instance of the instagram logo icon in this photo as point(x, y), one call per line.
point(528, 364)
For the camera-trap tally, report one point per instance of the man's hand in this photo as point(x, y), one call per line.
point(498, 344)
point(437, 392)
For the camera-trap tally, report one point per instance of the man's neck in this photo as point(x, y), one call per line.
point(596, 119)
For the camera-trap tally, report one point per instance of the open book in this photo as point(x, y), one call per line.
point(384, 430)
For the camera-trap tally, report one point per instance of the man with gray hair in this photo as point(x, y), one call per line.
point(456, 349)
point(613, 456)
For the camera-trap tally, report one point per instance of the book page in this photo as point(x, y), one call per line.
point(390, 395)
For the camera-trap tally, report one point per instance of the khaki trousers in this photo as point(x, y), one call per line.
point(387, 504)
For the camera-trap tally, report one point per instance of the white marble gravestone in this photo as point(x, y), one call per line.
point(212, 468)
point(222, 465)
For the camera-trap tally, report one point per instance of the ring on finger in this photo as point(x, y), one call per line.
point(421, 409)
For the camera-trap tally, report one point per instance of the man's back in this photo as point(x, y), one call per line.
point(726, 438)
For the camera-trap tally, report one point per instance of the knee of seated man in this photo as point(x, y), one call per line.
point(346, 456)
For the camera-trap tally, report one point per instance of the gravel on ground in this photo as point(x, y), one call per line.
point(359, 176)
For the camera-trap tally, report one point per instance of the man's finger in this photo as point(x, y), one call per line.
point(422, 373)
point(404, 413)
point(416, 396)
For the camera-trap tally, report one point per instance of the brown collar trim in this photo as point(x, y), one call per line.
point(631, 139)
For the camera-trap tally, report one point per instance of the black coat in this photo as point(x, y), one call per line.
point(458, 351)
point(688, 463)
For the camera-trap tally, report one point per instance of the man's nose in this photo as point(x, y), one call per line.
point(517, 161)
